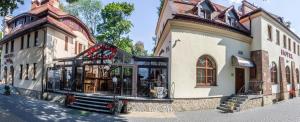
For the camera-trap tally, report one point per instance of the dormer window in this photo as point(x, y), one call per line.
point(204, 10)
point(206, 14)
point(232, 21)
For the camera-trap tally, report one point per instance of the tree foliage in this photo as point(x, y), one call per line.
point(139, 49)
point(89, 11)
point(8, 6)
point(116, 26)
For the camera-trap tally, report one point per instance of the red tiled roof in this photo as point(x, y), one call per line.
point(46, 7)
point(52, 16)
point(46, 20)
point(189, 8)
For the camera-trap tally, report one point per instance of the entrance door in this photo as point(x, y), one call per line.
point(239, 79)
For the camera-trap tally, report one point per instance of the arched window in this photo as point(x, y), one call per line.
point(12, 74)
point(297, 74)
point(5, 75)
point(206, 71)
point(288, 74)
point(274, 73)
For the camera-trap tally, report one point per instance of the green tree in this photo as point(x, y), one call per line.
point(159, 8)
point(8, 6)
point(89, 11)
point(116, 26)
point(71, 1)
point(139, 49)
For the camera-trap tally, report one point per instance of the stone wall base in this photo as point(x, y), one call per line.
point(54, 97)
point(252, 103)
point(28, 92)
point(175, 105)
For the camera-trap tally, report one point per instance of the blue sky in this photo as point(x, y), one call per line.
point(145, 15)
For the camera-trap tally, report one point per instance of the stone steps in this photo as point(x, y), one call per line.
point(92, 103)
point(236, 100)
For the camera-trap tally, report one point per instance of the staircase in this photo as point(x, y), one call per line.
point(233, 103)
point(92, 103)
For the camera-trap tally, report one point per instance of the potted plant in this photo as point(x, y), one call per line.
point(7, 90)
point(115, 107)
point(125, 107)
point(231, 105)
point(70, 98)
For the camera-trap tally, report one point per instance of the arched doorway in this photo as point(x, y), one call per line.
point(12, 72)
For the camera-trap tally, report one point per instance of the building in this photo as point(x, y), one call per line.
point(216, 51)
point(32, 40)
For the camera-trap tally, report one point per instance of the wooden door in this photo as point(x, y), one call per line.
point(239, 79)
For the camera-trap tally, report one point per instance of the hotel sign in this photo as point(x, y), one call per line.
point(286, 54)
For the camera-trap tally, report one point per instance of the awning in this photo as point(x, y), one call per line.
point(241, 62)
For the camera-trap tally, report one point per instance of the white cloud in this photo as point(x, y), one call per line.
point(235, 1)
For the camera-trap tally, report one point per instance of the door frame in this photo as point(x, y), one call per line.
point(241, 81)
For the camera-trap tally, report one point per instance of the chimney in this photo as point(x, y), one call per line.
point(5, 27)
point(38, 3)
point(247, 7)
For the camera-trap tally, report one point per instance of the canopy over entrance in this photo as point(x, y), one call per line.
point(241, 62)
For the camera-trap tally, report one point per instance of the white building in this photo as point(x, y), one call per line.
point(216, 51)
point(33, 39)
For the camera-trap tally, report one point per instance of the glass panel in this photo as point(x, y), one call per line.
point(143, 79)
point(201, 62)
point(127, 81)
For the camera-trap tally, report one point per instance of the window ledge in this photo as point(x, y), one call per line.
point(205, 86)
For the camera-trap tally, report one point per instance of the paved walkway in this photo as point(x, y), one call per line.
point(21, 109)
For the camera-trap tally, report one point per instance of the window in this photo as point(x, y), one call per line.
point(289, 43)
point(232, 21)
point(284, 41)
point(34, 71)
point(12, 46)
point(297, 75)
point(12, 74)
point(80, 48)
point(270, 32)
point(206, 71)
point(5, 75)
point(274, 73)
point(75, 47)
point(298, 50)
point(288, 74)
point(294, 47)
point(204, 13)
point(27, 72)
point(36, 38)
point(22, 42)
point(66, 43)
point(6, 48)
point(21, 72)
point(277, 37)
point(28, 40)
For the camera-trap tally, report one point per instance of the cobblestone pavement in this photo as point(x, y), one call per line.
point(18, 109)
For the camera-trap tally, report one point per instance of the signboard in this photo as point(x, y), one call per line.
point(286, 54)
point(101, 51)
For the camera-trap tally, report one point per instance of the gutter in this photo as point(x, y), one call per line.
point(43, 60)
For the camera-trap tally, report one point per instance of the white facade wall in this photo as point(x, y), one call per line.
point(185, 54)
point(54, 48)
point(24, 56)
point(261, 42)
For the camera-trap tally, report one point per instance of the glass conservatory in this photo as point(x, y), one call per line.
point(106, 70)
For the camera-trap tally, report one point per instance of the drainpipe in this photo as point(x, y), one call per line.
point(250, 24)
point(43, 60)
